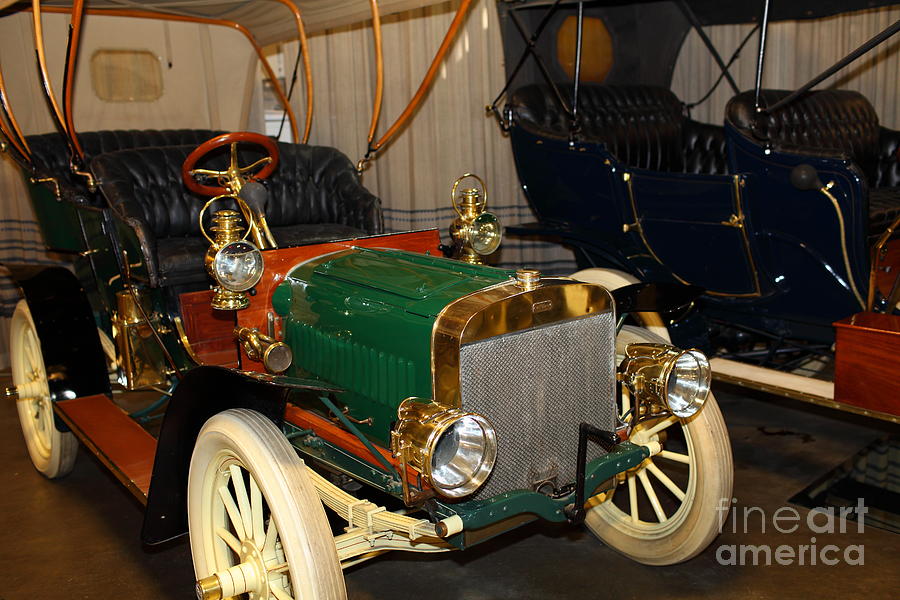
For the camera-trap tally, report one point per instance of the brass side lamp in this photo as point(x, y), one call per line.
point(475, 232)
point(234, 263)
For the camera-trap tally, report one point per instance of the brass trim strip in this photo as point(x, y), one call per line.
point(738, 184)
point(182, 336)
point(636, 226)
point(499, 309)
point(737, 222)
point(803, 397)
point(826, 190)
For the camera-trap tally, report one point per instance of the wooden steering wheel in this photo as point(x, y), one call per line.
point(232, 179)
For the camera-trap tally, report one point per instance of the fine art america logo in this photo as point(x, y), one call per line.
point(787, 520)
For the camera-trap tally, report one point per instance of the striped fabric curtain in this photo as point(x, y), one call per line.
point(20, 243)
point(450, 135)
point(796, 52)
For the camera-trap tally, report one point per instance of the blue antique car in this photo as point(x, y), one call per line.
point(781, 215)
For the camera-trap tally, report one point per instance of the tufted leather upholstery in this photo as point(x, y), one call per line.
point(314, 195)
point(826, 122)
point(887, 171)
point(51, 154)
point(829, 121)
point(642, 126)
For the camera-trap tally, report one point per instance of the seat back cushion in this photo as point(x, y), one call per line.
point(51, 154)
point(312, 185)
point(640, 125)
point(819, 122)
point(643, 126)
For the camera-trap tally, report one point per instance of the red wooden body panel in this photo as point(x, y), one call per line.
point(210, 332)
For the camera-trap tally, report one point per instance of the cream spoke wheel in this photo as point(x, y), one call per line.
point(51, 451)
point(257, 527)
point(613, 279)
point(671, 505)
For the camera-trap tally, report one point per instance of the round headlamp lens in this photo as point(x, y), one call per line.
point(486, 233)
point(238, 266)
point(688, 383)
point(463, 456)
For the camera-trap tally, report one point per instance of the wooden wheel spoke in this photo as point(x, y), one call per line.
point(664, 479)
point(626, 402)
point(632, 498)
point(651, 495)
point(676, 456)
point(280, 594)
point(657, 427)
point(233, 513)
point(229, 539)
point(256, 512)
point(278, 569)
point(33, 363)
point(271, 537)
point(243, 500)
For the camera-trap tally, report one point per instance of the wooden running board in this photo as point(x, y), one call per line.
point(787, 385)
point(122, 445)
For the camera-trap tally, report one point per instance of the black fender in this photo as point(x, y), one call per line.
point(659, 297)
point(65, 324)
point(201, 393)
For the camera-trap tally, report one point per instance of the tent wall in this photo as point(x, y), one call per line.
point(451, 133)
point(209, 79)
point(796, 52)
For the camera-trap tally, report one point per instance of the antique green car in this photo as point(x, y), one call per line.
point(312, 366)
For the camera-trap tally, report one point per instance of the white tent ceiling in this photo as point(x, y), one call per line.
point(268, 20)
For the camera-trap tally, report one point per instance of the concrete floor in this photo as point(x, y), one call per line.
point(78, 537)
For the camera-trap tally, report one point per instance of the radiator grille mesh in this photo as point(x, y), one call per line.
point(536, 386)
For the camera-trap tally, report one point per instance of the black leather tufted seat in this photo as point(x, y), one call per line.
point(642, 126)
point(314, 195)
point(51, 154)
point(831, 122)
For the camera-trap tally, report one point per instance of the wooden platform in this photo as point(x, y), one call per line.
point(789, 385)
point(122, 445)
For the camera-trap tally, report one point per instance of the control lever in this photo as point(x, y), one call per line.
point(256, 197)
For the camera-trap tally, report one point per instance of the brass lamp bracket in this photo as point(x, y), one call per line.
point(275, 355)
point(52, 181)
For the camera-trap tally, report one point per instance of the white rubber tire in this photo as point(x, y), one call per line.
point(613, 279)
point(698, 519)
point(52, 452)
point(245, 440)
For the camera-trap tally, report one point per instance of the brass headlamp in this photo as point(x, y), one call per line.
point(475, 232)
point(234, 263)
point(664, 375)
point(454, 450)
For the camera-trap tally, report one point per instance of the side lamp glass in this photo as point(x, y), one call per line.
point(238, 266)
point(662, 374)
